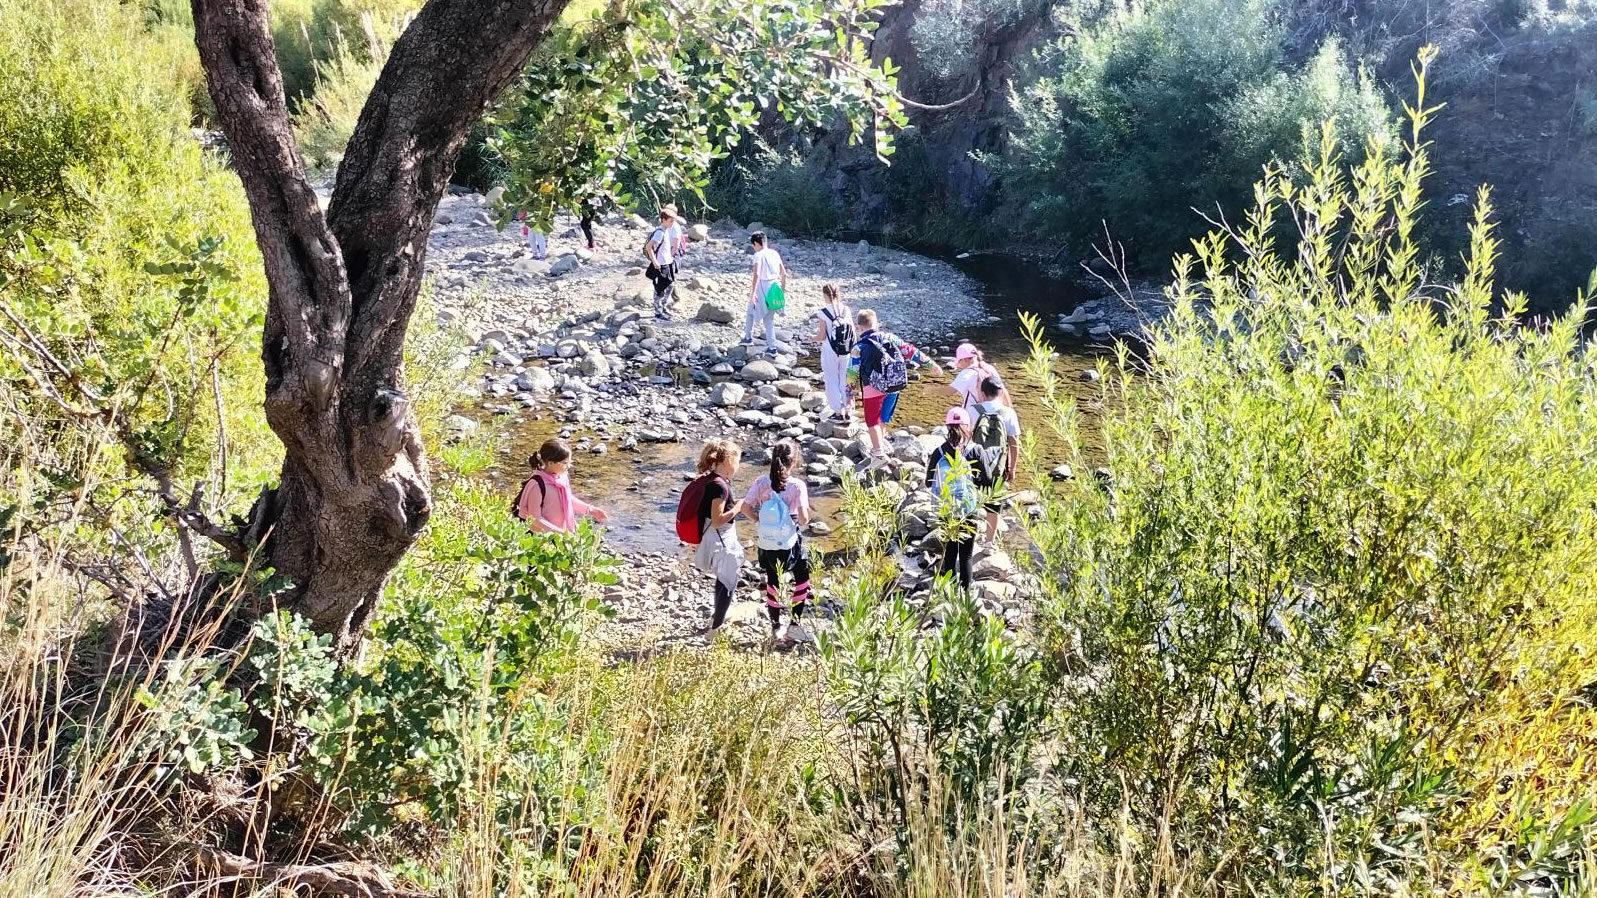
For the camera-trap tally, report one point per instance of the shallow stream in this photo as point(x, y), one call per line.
point(639, 488)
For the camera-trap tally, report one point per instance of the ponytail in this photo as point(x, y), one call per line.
point(958, 435)
point(784, 457)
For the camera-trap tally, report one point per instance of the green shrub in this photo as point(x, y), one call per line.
point(130, 253)
point(344, 79)
point(1164, 107)
point(784, 190)
point(313, 34)
point(954, 713)
point(1328, 630)
point(478, 615)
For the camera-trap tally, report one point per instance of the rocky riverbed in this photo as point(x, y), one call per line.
point(567, 346)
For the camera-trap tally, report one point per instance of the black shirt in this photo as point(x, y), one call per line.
point(717, 488)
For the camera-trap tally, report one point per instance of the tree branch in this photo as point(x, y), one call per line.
point(190, 519)
point(309, 307)
point(442, 74)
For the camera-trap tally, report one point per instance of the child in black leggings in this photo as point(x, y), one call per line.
point(780, 502)
point(950, 473)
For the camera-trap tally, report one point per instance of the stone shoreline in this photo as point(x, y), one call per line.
point(572, 340)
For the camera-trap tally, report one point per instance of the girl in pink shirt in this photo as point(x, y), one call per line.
point(547, 503)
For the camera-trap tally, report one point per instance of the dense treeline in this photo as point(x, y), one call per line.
point(1079, 116)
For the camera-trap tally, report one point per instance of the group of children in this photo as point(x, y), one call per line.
point(779, 503)
point(860, 358)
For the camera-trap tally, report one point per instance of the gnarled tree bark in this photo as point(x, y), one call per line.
point(354, 493)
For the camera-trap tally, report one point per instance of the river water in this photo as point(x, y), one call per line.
point(639, 489)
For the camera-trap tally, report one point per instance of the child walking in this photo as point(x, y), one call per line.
point(951, 474)
point(879, 366)
point(546, 502)
point(780, 503)
point(537, 241)
point(719, 554)
point(834, 330)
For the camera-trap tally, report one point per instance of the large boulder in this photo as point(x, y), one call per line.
point(531, 267)
point(594, 364)
point(535, 380)
point(759, 370)
point(565, 265)
point(792, 388)
point(714, 314)
point(726, 394)
point(699, 233)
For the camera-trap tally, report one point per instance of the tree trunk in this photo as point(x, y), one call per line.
point(354, 493)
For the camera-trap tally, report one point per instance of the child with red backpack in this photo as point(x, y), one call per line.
point(707, 519)
point(546, 502)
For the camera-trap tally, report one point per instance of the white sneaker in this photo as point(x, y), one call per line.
point(796, 633)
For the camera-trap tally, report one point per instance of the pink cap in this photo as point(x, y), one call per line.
point(957, 415)
point(965, 351)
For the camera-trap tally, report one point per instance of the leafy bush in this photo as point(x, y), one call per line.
point(946, 33)
point(343, 80)
point(953, 713)
point(1167, 106)
point(312, 35)
point(128, 254)
point(787, 191)
point(1330, 629)
point(643, 99)
point(475, 621)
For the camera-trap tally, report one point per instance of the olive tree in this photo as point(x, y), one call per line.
point(354, 492)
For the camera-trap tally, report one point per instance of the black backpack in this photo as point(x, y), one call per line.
point(515, 504)
point(841, 333)
point(991, 442)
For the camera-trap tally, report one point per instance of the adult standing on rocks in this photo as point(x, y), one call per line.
point(592, 210)
point(769, 272)
point(662, 268)
point(834, 330)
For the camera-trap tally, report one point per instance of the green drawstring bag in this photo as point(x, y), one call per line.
point(775, 299)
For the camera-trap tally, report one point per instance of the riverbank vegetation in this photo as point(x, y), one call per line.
point(1325, 627)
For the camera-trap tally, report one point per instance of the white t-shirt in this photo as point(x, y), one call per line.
point(967, 383)
point(661, 241)
point(767, 266)
point(674, 234)
point(1006, 416)
point(844, 314)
